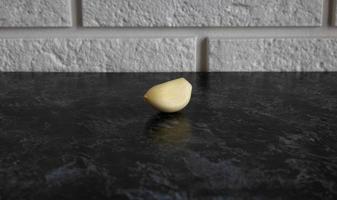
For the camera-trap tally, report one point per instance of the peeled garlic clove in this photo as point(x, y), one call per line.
point(171, 96)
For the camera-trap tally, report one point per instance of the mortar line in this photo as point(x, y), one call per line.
point(333, 11)
point(325, 13)
point(226, 33)
point(75, 13)
point(73, 5)
point(203, 65)
point(198, 54)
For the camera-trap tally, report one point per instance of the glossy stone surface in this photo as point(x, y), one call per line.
point(244, 136)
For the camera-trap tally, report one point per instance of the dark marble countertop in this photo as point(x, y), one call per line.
point(243, 136)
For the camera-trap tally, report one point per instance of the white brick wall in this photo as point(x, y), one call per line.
point(168, 35)
point(218, 13)
point(98, 55)
point(35, 13)
point(273, 54)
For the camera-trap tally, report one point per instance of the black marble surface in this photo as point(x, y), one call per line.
point(243, 136)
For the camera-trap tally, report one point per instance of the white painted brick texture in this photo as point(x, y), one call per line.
point(180, 13)
point(35, 13)
point(98, 55)
point(167, 35)
point(273, 54)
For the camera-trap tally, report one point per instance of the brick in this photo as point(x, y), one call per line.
point(216, 13)
point(272, 54)
point(98, 55)
point(35, 13)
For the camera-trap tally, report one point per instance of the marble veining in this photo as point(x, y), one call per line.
point(244, 136)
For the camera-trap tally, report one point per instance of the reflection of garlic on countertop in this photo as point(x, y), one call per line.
point(169, 128)
point(171, 96)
